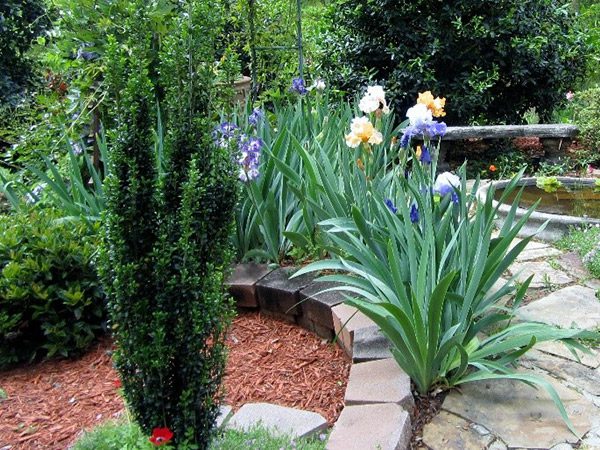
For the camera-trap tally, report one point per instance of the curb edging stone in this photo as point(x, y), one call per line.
point(377, 387)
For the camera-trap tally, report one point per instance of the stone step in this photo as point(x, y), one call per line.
point(381, 381)
point(278, 419)
point(382, 426)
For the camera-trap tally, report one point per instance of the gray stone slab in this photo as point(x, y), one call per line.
point(382, 426)
point(591, 359)
point(571, 263)
point(280, 294)
point(543, 274)
point(577, 374)
point(573, 306)
point(316, 304)
point(523, 417)
point(242, 283)
point(381, 381)
point(448, 431)
point(278, 419)
point(346, 320)
point(317, 328)
point(224, 415)
point(370, 344)
point(529, 254)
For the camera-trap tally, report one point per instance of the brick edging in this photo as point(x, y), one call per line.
point(301, 301)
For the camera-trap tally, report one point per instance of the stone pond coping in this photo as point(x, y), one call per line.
point(378, 399)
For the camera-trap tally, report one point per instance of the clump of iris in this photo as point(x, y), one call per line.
point(229, 135)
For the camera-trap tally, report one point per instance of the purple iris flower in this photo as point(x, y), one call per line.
point(434, 129)
point(423, 129)
point(391, 206)
point(256, 117)
point(414, 213)
point(298, 86)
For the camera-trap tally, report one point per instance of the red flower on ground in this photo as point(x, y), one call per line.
point(117, 383)
point(492, 168)
point(161, 436)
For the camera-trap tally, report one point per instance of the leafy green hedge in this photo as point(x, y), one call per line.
point(586, 107)
point(50, 298)
point(492, 59)
point(20, 22)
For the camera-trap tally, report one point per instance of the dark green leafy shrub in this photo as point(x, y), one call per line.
point(166, 248)
point(21, 21)
point(586, 109)
point(51, 302)
point(491, 59)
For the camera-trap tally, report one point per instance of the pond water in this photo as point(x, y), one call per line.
point(571, 200)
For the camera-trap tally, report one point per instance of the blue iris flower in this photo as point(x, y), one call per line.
point(391, 206)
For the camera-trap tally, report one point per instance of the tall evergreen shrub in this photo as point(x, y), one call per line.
point(166, 248)
point(492, 59)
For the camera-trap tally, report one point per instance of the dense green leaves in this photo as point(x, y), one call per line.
point(21, 21)
point(491, 59)
point(167, 226)
point(51, 302)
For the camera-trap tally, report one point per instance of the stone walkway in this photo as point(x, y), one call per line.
point(510, 415)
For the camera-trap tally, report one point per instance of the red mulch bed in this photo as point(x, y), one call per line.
point(50, 403)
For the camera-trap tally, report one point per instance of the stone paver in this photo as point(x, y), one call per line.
point(448, 431)
point(379, 381)
point(537, 251)
point(581, 376)
point(543, 274)
point(278, 293)
point(224, 415)
point(382, 426)
point(278, 419)
point(591, 359)
point(573, 306)
point(521, 416)
point(317, 304)
point(370, 344)
point(242, 283)
point(346, 320)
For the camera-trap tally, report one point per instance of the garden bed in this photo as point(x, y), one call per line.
point(50, 403)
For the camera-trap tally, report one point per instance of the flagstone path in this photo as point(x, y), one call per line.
point(497, 415)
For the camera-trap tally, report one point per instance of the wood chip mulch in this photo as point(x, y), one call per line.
point(49, 403)
point(275, 362)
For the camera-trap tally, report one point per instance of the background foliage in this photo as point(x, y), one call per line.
point(491, 59)
point(51, 302)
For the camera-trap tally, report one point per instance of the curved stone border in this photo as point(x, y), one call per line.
point(378, 399)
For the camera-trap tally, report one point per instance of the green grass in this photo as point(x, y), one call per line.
point(583, 241)
point(126, 435)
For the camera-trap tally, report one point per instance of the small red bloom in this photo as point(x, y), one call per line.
point(493, 168)
point(161, 436)
point(117, 383)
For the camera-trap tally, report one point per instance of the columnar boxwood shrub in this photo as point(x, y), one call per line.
point(166, 249)
point(493, 59)
point(51, 302)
